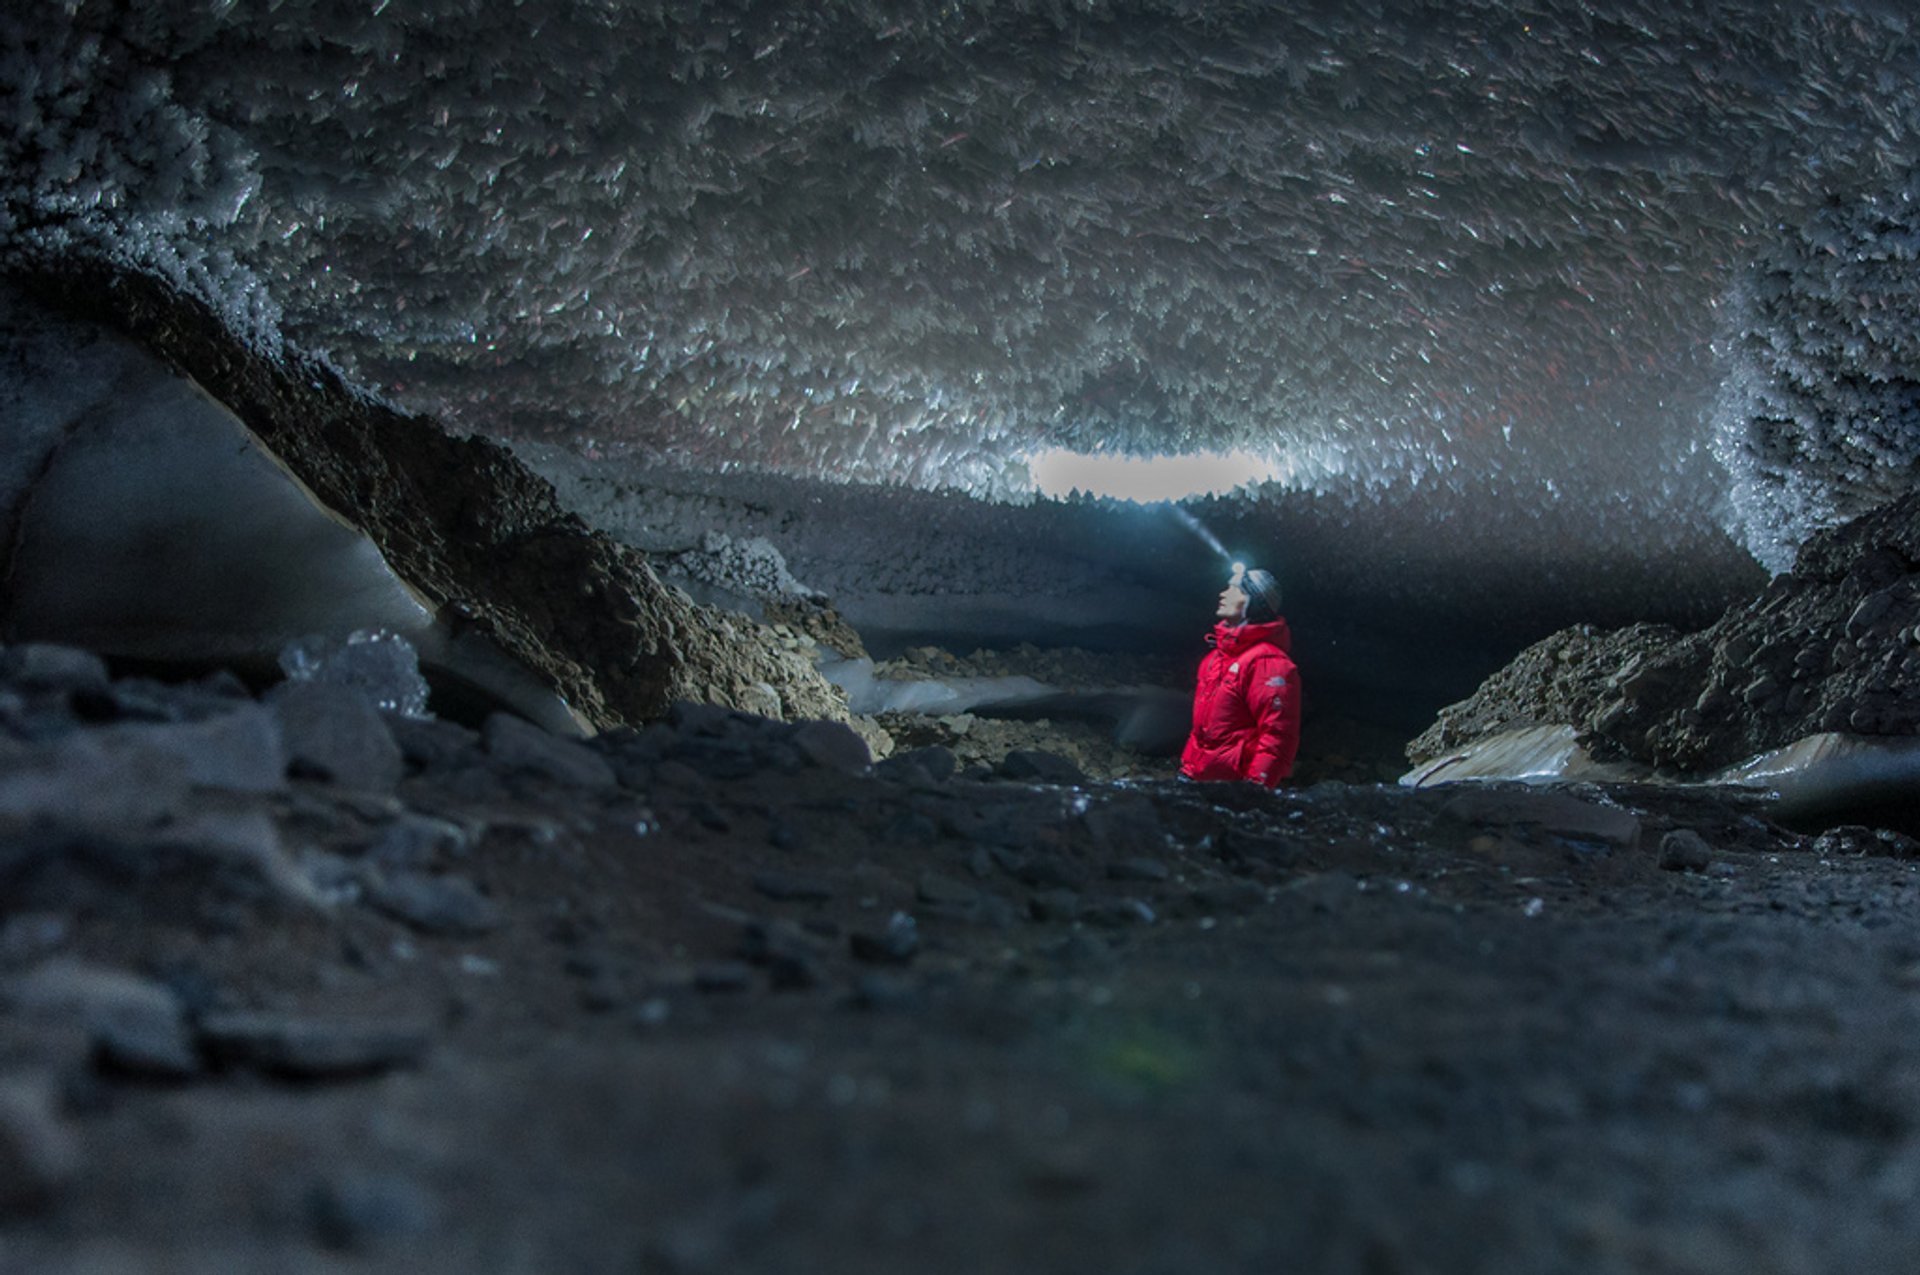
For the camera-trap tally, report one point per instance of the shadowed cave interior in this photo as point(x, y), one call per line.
point(592, 666)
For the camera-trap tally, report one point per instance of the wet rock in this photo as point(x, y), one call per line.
point(442, 905)
point(832, 746)
point(893, 944)
point(334, 732)
point(39, 1155)
point(1684, 850)
point(297, 1048)
point(789, 887)
point(518, 745)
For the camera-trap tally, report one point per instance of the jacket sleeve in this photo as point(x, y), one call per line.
point(1273, 700)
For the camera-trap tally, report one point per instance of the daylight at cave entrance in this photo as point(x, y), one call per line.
point(602, 601)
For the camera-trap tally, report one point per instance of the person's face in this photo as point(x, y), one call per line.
point(1233, 604)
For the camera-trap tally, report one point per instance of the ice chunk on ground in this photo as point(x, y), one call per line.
point(379, 662)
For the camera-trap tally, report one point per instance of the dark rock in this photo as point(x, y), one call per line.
point(1115, 913)
point(435, 905)
point(913, 829)
point(791, 971)
point(362, 1213)
point(1055, 905)
point(28, 936)
point(1554, 814)
point(602, 992)
point(245, 850)
point(832, 746)
point(1234, 898)
point(945, 891)
point(1684, 850)
point(714, 721)
point(39, 1155)
point(791, 887)
point(1850, 840)
point(46, 666)
point(894, 944)
point(1323, 891)
point(710, 816)
point(789, 953)
point(933, 764)
point(147, 1050)
point(518, 745)
point(723, 976)
point(431, 743)
point(130, 1020)
point(1139, 870)
point(103, 783)
point(1080, 951)
point(334, 732)
point(725, 760)
point(1032, 765)
point(310, 1049)
point(416, 842)
point(1046, 871)
point(1126, 828)
point(876, 991)
point(238, 751)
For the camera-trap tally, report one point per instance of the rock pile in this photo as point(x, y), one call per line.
point(466, 525)
point(1833, 646)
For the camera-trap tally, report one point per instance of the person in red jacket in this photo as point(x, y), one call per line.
point(1246, 707)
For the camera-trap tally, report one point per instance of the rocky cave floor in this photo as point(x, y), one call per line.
point(294, 985)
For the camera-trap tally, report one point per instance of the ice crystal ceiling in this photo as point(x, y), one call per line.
point(1467, 249)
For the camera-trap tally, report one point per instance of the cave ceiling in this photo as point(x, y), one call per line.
point(1474, 255)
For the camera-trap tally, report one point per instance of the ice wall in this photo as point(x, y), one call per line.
point(1819, 418)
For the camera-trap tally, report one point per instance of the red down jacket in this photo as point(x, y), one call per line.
point(1246, 708)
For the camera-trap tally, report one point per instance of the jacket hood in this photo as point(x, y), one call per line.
point(1231, 639)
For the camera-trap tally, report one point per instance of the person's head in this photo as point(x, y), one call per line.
point(1252, 596)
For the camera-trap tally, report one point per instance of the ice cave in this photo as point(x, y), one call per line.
point(608, 606)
